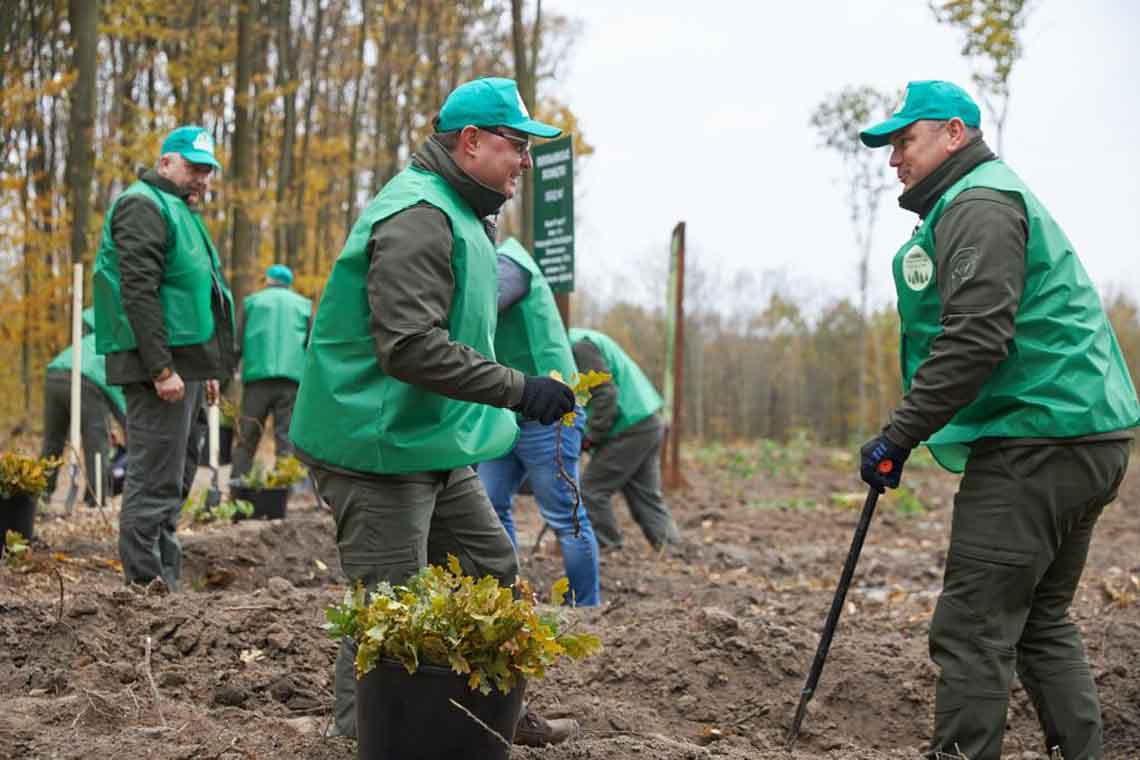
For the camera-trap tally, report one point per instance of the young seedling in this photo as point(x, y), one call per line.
point(582, 385)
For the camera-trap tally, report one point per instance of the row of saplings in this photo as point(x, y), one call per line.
point(442, 663)
point(262, 492)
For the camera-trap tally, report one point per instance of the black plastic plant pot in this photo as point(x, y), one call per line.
point(225, 445)
point(411, 717)
point(268, 503)
point(18, 513)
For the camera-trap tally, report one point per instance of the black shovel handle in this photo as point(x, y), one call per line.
point(836, 609)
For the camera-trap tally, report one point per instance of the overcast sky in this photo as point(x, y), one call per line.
point(699, 112)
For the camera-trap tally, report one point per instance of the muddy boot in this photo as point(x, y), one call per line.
point(533, 730)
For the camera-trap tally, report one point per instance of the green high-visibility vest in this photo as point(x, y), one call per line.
point(1064, 375)
point(273, 342)
point(530, 336)
point(93, 367)
point(637, 398)
point(191, 272)
point(349, 413)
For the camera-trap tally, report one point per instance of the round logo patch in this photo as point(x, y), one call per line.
point(917, 268)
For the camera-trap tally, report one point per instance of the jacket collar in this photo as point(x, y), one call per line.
point(921, 198)
point(435, 158)
point(152, 177)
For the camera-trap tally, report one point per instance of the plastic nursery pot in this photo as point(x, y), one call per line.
point(268, 503)
point(225, 445)
point(18, 513)
point(411, 717)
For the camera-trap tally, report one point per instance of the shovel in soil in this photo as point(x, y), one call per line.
point(213, 425)
point(837, 605)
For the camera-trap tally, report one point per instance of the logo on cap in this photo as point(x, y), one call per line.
point(203, 142)
point(902, 105)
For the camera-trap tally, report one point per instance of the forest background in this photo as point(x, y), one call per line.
point(314, 104)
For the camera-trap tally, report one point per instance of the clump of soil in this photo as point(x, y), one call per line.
point(706, 648)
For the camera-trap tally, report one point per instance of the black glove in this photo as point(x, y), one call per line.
point(882, 463)
point(545, 399)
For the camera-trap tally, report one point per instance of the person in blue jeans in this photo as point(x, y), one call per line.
point(530, 337)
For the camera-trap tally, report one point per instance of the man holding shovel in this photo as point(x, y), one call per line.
point(1013, 376)
point(99, 402)
point(164, 318)
point(401, 392)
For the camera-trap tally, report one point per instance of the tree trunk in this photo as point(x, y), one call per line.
point(296, 236)
point(385, 113)
point(525, 65)
point(81, 161)
point(286, 81)
point(243, 159)
point(354, 121)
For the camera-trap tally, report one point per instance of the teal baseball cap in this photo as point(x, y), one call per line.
point(925, 99)
point(490, 102)
point(281, 273)
point(193, 143)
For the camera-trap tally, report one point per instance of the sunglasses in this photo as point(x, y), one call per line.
point(521, 145)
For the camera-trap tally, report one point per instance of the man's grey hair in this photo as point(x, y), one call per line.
point(158, 161)
point(972, 133)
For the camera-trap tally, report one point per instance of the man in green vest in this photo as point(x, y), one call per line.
point(530, 337)
point(624, 433)
point(1012, 375)
point(164, 318)
point(98, 402)
point(401, 392)
point(274, 333)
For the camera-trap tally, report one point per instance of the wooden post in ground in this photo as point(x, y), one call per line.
point(674, 363)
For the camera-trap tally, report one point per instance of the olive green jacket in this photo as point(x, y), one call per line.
point(978, 313)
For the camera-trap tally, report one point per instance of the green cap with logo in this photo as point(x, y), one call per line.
point(490, 102)
point(193, 143)
point(925, 99)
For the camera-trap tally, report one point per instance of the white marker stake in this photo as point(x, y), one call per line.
point(214, 419)
point(76, 367)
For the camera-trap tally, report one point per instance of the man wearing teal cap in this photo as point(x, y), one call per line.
point(97, 403)
point(273, 336)
point(401, 391)
point(1012, 375)
point(164, 319)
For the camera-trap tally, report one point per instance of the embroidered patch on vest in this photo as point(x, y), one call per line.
point(963, 264)
point(917, 268)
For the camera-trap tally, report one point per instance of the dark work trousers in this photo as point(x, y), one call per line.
point(388, 527)
point(1023, 519)
point(630, 463)
point(162, 457)
point(259, 400)
point(94, 430)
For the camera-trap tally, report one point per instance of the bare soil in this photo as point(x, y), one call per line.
point(706, 651)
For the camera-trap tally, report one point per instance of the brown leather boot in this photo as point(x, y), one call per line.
point(533, 730)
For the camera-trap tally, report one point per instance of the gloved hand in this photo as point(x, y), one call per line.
point(545, 399)
point(874, 454)
point(587, 444)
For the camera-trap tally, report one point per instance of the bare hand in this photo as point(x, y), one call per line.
point(171, 389)
point(212, 392)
